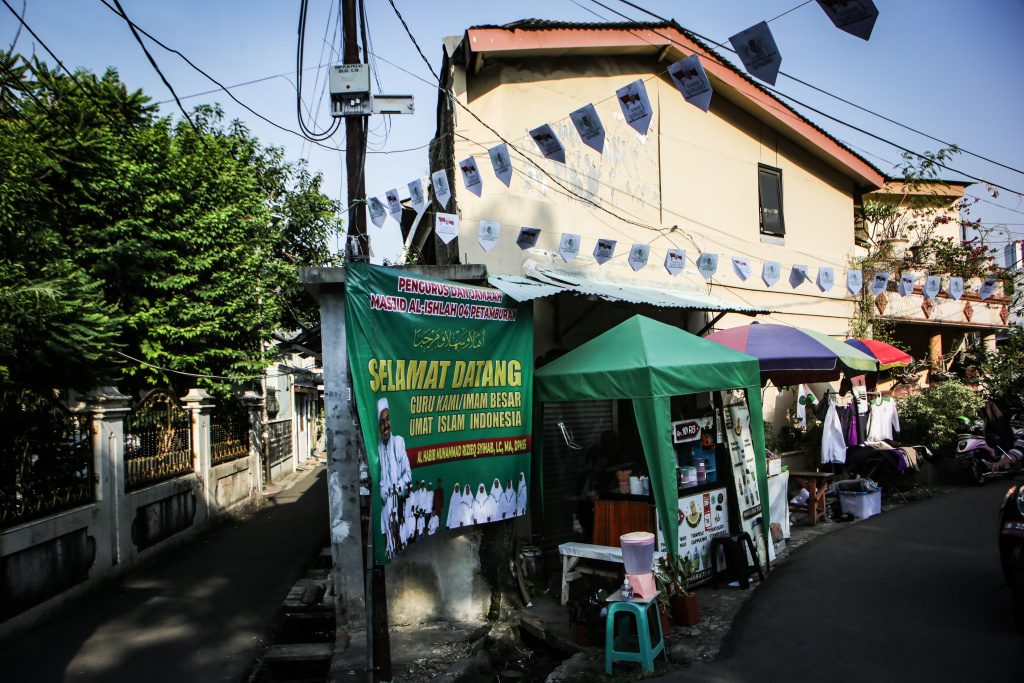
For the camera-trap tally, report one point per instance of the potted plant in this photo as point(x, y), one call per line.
point(673, 575)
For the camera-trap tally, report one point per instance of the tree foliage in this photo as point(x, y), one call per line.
point(123, 232)
point(930, 417)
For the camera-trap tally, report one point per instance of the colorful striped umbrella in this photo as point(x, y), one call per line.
point(793, 355)
point(887, 355)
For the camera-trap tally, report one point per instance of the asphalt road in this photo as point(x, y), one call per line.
point(914, 594)
point(198, 613)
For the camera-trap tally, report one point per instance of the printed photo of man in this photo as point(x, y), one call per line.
point(395, 474)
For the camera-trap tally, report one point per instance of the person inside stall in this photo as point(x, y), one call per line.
point(597, 480)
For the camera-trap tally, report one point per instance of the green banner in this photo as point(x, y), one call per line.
point(443, 377)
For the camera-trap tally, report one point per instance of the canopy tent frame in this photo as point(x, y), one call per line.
point(649, 362)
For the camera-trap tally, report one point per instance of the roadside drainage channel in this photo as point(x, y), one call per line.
point(302, 640)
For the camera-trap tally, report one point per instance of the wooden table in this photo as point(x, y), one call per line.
point(816, 484)
point(572, 553)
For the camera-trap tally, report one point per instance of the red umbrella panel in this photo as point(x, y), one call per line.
point(887, 355)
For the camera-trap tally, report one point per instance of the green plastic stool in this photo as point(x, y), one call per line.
point(615, 643)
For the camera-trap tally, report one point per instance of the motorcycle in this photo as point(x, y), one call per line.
point(1011, 547)
point(975, 448)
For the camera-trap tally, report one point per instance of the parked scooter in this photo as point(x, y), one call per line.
point(975, 449)
point(1011, 547)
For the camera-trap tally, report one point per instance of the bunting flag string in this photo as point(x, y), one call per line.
point(570, 246)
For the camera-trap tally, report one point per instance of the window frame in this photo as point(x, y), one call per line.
point(777, 172)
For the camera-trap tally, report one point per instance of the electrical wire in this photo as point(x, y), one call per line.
point(821, 90)
point(220, 86)
point(233, 378)
point(309, 132)
point(17, 34)
point(156, 67)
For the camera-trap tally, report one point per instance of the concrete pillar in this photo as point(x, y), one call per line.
point(199, 405)
point(109, 409)
point(342, 470)
point(989, 339)
point(256, 405)
point(935, 351)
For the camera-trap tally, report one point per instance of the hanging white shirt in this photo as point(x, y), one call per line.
point(884, 421)
point(833, 442)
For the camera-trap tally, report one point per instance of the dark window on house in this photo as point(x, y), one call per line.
point(769, 190)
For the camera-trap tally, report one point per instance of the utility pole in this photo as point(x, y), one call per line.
point(357, 246)
point(350, 97)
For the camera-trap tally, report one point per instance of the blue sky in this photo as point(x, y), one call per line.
point(948, 68)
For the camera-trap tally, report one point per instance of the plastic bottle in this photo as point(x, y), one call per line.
point(626, 592)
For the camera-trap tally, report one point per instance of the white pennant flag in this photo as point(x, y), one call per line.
point(932, 286)
point(548, 143)
point(741, 266)
point(569, 246)
point(758, 52)
point(416, 196)
point(487, 234)
point(797, 275)
point(675, 261)
point(906, 284)
point(394, 205)
point(689, 77)
point(707, 264)
point(956, 287)
point(636, 106)
point(826, 278)
point(638, 256)
point(988, 288)
point(527, 238)
point(771, 272)
point(446, 226)
point(471, 176)
point(603, 251)
point(879, 283)
point(854, 281)
point(378, 214)
point(856, 17)
point(501, 162)
point(588, 125)
point(442, 191)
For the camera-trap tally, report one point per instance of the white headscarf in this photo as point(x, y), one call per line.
point(521, 495)
point(453, 507)
point(480, 505)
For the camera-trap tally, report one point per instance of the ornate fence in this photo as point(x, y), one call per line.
point(229, 431)
point(280, 447)
point(46, 456)
point(158, 441)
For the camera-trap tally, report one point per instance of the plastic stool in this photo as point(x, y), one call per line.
point(645, 652)
point(736, 566)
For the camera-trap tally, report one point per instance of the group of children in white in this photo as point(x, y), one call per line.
point(467, 508)
point(411, 511)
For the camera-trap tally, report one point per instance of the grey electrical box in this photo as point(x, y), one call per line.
point(393, 104)
point(350, 79)
point(350, 90)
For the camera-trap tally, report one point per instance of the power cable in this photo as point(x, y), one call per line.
point(221, 87)
point(17, 34)
point(512, 146)
point(156, 67)
point(309, 132)
point(823, 91)
point(713, 57)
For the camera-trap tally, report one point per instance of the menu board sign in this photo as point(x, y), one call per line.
point(736, 419)
point(702, 516)
point(741, 456)
point(685, 431)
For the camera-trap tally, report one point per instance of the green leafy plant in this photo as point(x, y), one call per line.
point(930, 417)
point(672, 575)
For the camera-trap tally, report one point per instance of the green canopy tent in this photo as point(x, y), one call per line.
point(649, 362)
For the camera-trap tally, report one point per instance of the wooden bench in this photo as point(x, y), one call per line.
point(573, 553)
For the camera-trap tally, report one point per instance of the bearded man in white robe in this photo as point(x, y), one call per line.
point(395, 473)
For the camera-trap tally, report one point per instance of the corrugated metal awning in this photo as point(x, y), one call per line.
point(545, 283)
